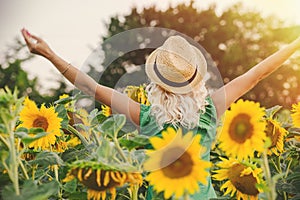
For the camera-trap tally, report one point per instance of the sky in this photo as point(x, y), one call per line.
point(73, 28)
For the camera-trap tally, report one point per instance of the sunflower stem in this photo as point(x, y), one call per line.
point(33, 172)
point(288, 168)
point(134, 192)
point(285, 176)
point(14, 161)
point(276, 165)
point(96, 138)
point(4, 141)
point(270, 192)
point(23, 170)
point(186, 196)
point(20, 161)
point(57, 179)
point(73, 130)
point(119, 149)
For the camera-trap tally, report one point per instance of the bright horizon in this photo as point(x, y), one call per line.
point(73, 28)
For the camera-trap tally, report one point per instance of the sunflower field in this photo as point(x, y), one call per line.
point(62, 151)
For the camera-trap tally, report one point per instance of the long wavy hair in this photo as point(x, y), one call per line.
point(177, 109)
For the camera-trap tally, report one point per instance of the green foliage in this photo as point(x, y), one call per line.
point(32, 191)
point(113, 125)
point(23, 134)
point(45, 159)
point(106, 144)
point(134, 142)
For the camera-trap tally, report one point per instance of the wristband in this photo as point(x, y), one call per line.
point(67, 68)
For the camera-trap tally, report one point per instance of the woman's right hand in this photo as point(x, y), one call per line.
point(36, 45)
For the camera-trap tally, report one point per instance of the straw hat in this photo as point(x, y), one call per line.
point(177, 66)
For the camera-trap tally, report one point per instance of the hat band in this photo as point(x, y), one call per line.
point(171, 83)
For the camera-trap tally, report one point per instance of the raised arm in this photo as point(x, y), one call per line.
point(118, 101)
point(242, 84)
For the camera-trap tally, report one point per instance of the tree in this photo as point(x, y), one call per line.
point(236, 40)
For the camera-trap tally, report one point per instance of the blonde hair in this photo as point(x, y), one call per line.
point(177, 109)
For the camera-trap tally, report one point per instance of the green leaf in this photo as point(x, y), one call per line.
point(105, 148)
point(30, 190)
point(2, 128)
point(78, 196)
point(4, 180)
point(4, 155)
point(62, 113)
point(134, 142)
point(22, 129)
point(270, 112)
point(64, 100)
point(113, 125)
point(77, 154)
point(294, 176)
point(5, 116)
point(36, 130)
point(98, 119)
point(27, 139)
point(70, 186)
point(46, 159)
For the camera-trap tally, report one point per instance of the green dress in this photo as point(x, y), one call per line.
point(207, 130)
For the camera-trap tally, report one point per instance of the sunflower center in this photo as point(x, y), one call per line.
point(241, 128)
point(178, 163)
point(273, 133)
point(99, 180)
point(245, 184)
point(40, 122)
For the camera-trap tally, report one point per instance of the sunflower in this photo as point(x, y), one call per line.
point(100, 178)
point(276, 133)
point(59, 146)
point(176, 159)
point(241, 179)
point(138, 94)
point(71, 141)
point(106, 110)
point(45, 118)
point(296, 114)
point(243, 129)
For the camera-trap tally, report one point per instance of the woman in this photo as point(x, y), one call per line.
point(177, 92)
